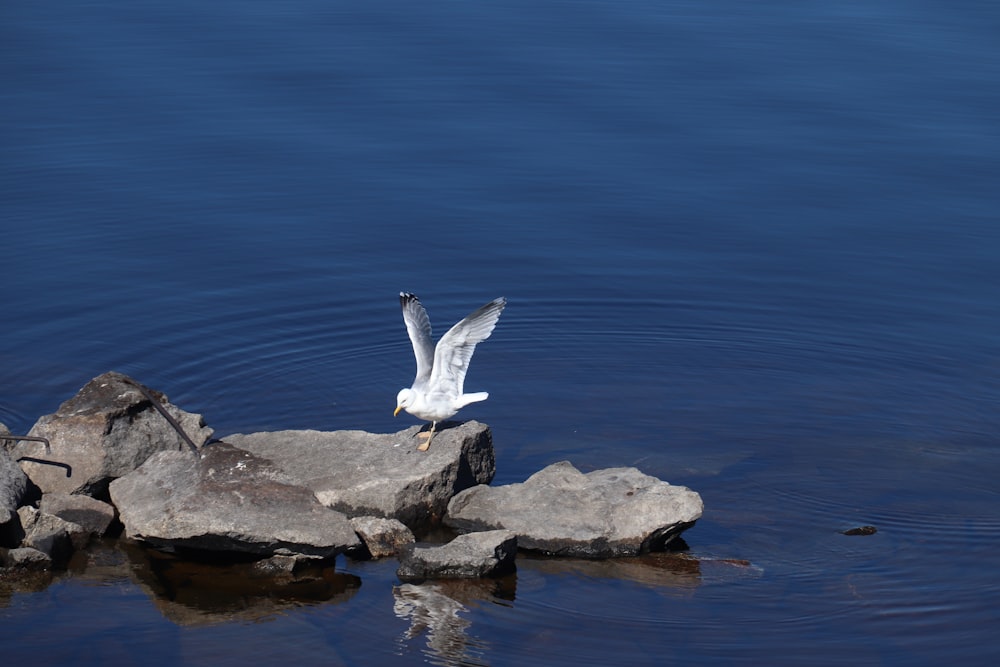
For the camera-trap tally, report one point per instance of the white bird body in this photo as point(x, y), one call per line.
point(438, 392)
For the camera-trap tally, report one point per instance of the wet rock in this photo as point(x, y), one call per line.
point(380, 537)
point(363, 474)
point(51, 535)
point(92, 514)
point(13, 482)
point(561, 511)
point(278, 565)
point(107, 430)
point(467, 556)
point(226, 499)
point(27, 558)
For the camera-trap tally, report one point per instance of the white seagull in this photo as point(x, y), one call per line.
point(437, 391)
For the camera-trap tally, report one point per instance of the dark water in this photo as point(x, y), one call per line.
point(751, 248)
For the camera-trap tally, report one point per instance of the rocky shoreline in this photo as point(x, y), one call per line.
point(110, 461)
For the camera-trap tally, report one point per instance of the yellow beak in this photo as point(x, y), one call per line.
point(396, 411)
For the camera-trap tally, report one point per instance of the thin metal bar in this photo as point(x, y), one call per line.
point(33, 438)
point(69, 470)
point(163, 411)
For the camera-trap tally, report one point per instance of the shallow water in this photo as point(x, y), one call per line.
point(751, 249)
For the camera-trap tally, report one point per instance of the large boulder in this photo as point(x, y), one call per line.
point(13, 482)
point(561, 511)
point(362, 473)
point(226, 499)
point(107, 430)
point(466, 557)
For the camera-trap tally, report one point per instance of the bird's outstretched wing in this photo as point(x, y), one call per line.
point(454, 350)
point(418, 326)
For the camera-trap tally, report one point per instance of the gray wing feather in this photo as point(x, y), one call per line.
point(418, 327)
point(454, 350)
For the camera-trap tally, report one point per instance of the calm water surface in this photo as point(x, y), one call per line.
point(752, 248)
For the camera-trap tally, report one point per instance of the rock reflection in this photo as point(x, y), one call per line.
point(439, 611)
point(668, 572)
point(18, 583)
point(102, 562)
point(660, 570)
point(189, 592)
point(434, 609)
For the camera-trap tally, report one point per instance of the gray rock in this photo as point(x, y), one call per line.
point(561, 511)
point(278, 565)
point(226, 499)
point(467, 556)
point(27, 558)
point(362, 474)
point(51, 535)
point(95, 516)
point(380, 537)
point(107, 430)
point(13, 482)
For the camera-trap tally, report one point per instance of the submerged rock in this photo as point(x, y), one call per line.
point(561, 511)
point(380, 537)
point(362, 473)
point(226, 499)
point(467, 556)
point(106, 430)
point(27, 559)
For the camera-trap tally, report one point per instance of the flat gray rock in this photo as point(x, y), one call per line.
point(468, 556)
point(92, 514)
point(227, 499)
point(371, 474)
point(561, 511)
point(381, 537)
point(105, 431)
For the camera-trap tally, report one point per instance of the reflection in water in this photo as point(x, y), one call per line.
point(189, 592)
point(15, 582)
point(665, 571)
point(440, 610)
point(435, 609)
point(102, 562)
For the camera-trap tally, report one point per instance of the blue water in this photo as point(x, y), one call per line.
point(752, 248)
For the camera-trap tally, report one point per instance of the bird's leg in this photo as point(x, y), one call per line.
point(427, 443)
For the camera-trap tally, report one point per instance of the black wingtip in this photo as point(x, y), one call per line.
point(406, 297)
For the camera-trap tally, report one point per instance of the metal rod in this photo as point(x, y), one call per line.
point(33, 438)
point(69, 470)
point(163, 411)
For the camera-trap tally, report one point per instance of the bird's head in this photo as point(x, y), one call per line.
point(404, 399)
